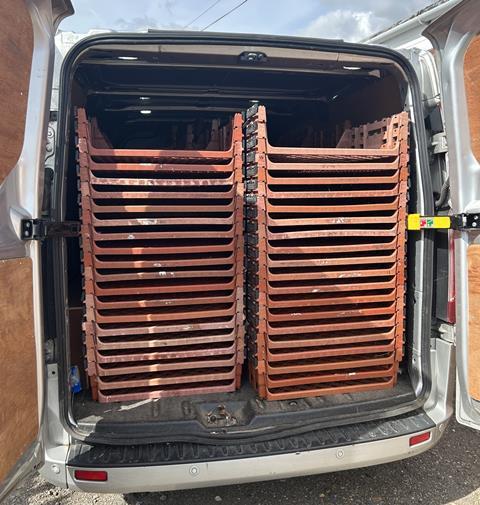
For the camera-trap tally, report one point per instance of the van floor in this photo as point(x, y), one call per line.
point(241, 410)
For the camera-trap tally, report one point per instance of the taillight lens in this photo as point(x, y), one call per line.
point(418, 439)
point(91, 475)
point(451, 308)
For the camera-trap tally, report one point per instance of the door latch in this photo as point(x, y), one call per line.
point(416, 222)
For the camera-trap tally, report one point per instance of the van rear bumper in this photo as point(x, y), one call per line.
point(235, 471)
point(185, 466)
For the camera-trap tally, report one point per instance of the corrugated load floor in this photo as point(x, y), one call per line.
point(162, 245)
point(326, 260)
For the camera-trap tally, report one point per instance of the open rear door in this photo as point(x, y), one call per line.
point(456, 39)
point(26, 66)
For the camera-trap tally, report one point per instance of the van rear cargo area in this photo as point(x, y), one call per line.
point(243, 266)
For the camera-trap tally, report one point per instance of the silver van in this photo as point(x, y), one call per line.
point(51, 422)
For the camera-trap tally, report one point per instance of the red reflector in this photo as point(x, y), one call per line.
point(91, 475)
point(451, 301)
point(418, 439)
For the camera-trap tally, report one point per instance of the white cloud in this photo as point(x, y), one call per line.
point(348, 19)
point(347, 22)
point(343, 24)
point(135, 23)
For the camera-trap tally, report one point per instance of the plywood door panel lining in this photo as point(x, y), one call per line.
point(473, 255)
point(18, 375)
point(472, 90)
point(16, 48)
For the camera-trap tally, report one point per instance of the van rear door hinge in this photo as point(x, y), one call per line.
point(40, 229)
point(465, 221)
point(417, 222)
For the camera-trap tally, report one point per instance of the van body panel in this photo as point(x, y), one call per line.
point(27, 67)
point(455, 39)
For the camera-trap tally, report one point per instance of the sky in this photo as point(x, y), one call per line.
point(351, 20)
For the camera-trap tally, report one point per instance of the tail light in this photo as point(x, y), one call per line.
point(418, 439)
point(451, 309)
point(91, 475)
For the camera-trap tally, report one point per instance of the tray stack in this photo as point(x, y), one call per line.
point(162, 246)
point(325, 256)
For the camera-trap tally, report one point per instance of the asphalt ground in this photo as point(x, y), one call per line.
point(447, 474)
